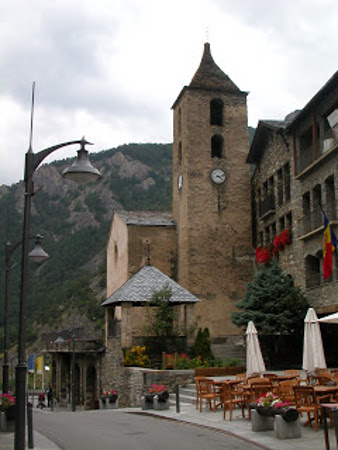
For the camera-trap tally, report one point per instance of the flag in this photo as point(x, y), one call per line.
point(330, 245)
point(39, 365)
point(31, 364)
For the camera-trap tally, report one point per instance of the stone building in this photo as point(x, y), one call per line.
point(295, 179)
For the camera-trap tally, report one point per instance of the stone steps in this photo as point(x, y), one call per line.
point(187, 395)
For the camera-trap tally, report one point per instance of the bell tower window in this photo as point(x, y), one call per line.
point(217, 146)
point(216, 112)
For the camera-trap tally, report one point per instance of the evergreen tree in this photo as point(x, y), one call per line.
point(272, 301)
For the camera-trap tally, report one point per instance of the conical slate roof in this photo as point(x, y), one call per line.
point(210, 76)
point(140, 288)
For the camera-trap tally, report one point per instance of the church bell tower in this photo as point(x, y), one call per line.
point(211, 198)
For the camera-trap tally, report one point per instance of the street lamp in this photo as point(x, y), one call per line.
point(38, 255)
point(81, 171)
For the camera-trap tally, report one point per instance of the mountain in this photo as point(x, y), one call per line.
point(74, 221)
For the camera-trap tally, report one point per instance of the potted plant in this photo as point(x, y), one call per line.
point(161, 396)
point(7, 408)
point(109, 399)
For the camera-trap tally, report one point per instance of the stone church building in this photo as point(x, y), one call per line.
point(205, 243)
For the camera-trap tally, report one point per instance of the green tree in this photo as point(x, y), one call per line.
point(202, 344)
point(275, 305)
point(163, 333)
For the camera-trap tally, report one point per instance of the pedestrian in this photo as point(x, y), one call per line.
point(50, 396)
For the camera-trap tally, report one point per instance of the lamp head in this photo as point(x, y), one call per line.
point(38, 254)
point(82, 171)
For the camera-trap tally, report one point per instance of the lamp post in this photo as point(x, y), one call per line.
point(81, 171)
point(38, 255)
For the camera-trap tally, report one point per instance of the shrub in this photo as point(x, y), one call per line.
point(136, 357)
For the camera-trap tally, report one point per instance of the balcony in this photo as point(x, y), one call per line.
point(306, 160)
point(267, 206)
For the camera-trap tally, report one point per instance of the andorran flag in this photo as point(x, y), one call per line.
point(330, 245)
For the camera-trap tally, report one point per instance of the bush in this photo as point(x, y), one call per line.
point(136, 357)
point(202, 345)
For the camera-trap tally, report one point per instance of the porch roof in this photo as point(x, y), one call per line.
point(140, 288)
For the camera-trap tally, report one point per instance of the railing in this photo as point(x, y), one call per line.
point(267, 205)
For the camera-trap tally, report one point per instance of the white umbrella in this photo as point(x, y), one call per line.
point(254, 358)
point(332, 318)
point(313, 352)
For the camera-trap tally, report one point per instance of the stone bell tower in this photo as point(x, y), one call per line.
point(211, 198)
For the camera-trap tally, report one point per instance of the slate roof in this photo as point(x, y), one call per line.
point(262, 133)
point(210, 77)
point(147, 218)
point(140, 288)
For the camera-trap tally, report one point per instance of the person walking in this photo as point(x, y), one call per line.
point(50, 396)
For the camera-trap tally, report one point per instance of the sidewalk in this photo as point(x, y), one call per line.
point(40, 442)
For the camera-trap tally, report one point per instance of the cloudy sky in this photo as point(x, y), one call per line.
point(111, 69)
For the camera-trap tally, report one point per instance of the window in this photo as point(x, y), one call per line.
point(312, 271)
point(286, 172)
point(267, 235)
point(180, 153)
point(217, 146)
point(330, 204)
point(282, 223)
point(280, 187)
point(216, 112)
point(179, 121)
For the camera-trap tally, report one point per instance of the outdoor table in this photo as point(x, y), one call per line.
point(323, 390)
point(333, 407)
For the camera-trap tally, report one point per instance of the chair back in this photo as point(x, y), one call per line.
point(241, 376)
point(206, 386)
point(257, 380)
point(258, 389)
point(292, 372)
point(286, 390)
point(305, 396)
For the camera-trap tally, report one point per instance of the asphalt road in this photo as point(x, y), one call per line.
point(115, 430)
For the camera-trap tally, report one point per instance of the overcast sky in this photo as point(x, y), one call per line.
point(111, 69)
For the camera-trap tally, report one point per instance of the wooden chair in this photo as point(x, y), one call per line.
point(325, 378)
point(197, 385)
point(207, 391)
point(307, 402)
point(231, 396)
point(286, 392)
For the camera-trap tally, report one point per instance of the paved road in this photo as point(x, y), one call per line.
point(115, 430)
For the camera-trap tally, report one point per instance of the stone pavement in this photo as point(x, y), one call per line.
point(239, 427)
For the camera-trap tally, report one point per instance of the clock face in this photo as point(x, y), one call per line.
point(218, 176)
point(180, 181)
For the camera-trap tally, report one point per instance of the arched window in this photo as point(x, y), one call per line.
point(216, 112)
point(180, 153)
point(216, 146)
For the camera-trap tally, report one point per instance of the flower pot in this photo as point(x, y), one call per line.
point(147, 401)
point(161, 403)
point(163, 396)
point(265, 411)
point(113, 398)
point(10, 412)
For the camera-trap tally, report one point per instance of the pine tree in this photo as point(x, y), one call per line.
point(272, 301)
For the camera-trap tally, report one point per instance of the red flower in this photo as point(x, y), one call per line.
point(263, 254)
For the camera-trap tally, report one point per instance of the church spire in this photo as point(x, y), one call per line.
point(210, 76)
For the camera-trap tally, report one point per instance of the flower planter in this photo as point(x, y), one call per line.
point(266, 411)
point(161, 402)
point(109, 403)
point(147, 401)
point(10, 412)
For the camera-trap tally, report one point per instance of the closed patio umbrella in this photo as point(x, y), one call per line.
point(254, 358)
point(313, 351)
point(332, 318)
